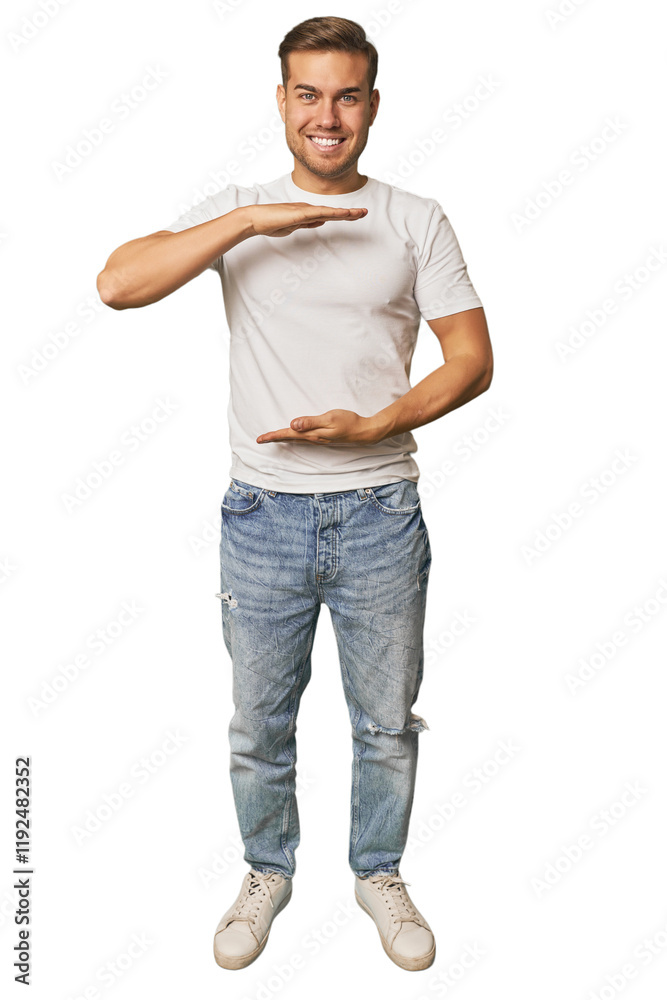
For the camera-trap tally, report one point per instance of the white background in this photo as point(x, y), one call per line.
point(487, 863)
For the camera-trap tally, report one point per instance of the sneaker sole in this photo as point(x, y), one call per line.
point(240, 961)
point(411, 964)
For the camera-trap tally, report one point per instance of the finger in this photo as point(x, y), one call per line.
point(273, 435)
point(325, 214)
point(288, 435)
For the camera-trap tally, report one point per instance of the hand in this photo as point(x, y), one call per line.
point(283, 218)
point(326, 428)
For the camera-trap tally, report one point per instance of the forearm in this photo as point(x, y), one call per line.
point(146, 269)
point(457, 382)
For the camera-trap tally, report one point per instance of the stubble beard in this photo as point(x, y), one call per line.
point(319, 166)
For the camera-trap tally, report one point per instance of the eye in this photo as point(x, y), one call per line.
point(352, 98)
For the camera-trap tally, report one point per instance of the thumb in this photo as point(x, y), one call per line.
point(301, 424)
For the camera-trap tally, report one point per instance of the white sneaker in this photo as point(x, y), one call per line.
point(244, 929)
point(406, 937)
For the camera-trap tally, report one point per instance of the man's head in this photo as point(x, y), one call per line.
point(328, 70)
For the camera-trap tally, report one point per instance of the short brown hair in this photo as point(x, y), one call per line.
point(328, 34)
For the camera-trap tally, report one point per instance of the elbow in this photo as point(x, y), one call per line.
point(105, 289)
point(485, 377)
point(108, 291)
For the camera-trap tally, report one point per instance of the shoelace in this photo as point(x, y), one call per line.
point(255, 891)
point(399, 901)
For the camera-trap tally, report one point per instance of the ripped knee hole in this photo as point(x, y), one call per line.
point(416, 724)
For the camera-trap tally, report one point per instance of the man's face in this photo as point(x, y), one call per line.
point(327, 95)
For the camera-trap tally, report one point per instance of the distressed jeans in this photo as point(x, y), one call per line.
point(365, 553)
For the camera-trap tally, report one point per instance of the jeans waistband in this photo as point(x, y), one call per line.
point(361, 491)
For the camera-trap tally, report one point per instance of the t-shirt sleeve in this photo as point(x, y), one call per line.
point(442, 285)
point(211, 208)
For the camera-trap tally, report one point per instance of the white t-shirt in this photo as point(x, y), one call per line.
point(328, 318)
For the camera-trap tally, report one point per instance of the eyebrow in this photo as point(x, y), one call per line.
point(343, 90)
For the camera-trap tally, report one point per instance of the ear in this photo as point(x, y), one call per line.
point(375, 103)
point(280, 99)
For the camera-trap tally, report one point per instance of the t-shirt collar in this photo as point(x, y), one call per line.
point(299, 194)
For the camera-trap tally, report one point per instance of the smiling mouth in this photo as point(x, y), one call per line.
point(326, 144)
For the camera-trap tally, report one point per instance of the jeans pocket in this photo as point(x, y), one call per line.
point(240, 500)
point(396, 498)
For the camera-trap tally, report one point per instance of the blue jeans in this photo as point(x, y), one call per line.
point(365, 553)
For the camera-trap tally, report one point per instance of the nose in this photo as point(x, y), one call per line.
point(327, 115)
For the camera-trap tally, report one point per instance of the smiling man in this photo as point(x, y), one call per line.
point(322, 504)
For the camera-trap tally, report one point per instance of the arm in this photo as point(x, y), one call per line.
point(467, 372)
point(144, 270)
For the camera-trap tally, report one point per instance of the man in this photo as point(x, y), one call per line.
point(322, 504)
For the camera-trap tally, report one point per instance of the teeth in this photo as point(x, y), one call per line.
point(326, 142)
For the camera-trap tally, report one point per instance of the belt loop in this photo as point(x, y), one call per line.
point(361, 493)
